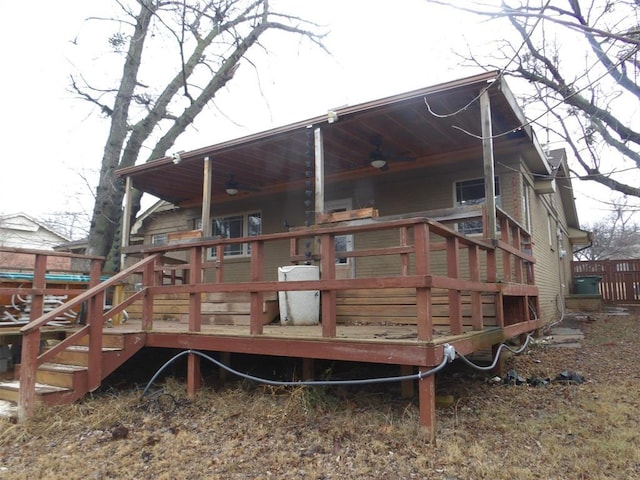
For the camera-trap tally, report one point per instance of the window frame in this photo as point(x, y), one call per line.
point(460, 226)
point(245, 251)
point(159, 239)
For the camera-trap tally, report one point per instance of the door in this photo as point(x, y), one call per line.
point(345, 267)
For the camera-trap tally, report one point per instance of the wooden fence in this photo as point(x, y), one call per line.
point(620, 279)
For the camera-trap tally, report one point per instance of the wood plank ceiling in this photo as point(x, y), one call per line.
point(402, 126)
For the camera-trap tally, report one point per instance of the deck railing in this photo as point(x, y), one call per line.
point(463, 261)
point(469, 265)
point(93, 296)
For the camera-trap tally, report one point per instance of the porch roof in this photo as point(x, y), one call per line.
point(433, 126)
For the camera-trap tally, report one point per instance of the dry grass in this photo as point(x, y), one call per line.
point(588, 431)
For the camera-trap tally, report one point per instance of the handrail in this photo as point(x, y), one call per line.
point(87, 294)
point(350, 227)
point(50, 253)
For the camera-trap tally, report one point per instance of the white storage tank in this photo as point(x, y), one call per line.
point(299, 307)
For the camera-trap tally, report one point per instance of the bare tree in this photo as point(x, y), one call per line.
point(208, 40)
point(581, 58)
point(615, 237)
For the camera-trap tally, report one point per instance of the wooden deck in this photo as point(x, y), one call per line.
point(485, 295)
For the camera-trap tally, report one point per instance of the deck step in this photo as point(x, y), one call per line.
point(108, 340)
point(78, 355)
point(65, 378)
point(10, 391)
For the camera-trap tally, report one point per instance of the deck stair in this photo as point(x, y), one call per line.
point(65, 379)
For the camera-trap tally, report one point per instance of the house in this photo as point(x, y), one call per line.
point(419, 226)
point(19, 230)
point(428, 163)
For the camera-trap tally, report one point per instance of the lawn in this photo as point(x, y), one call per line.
point(488, 430)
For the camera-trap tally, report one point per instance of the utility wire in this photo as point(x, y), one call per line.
point(449, 355)
point(495, 361)
point(498, 78)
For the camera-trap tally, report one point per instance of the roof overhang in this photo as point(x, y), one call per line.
point(437, 125)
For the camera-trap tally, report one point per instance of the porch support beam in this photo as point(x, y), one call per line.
point(427, 405)
point(126, 220)
point(206, 197)
point(319, 171)
point(489, 169)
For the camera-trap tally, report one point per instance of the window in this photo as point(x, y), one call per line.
point(471, 192)
point(236, 226)
point(159, 239)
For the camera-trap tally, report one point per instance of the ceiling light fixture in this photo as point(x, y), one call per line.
point(232, 186)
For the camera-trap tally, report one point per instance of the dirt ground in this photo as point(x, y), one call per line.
point(559, 429)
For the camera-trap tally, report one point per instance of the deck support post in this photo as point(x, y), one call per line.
point(225, 358)
point(406, 386)
point(427, 402)
point(499, 368)
point(193, 374)
point(308, 365)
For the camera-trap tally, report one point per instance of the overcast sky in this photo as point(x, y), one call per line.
point(51, 139)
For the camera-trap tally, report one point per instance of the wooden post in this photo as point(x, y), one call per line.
point(95, 320)
point(225, 358)
point(319, 170)
point(257, 298)
point(506, 256)
point(194, 380)
point(148, 280)
point(404, 257)
point(38, 287)
point(423, 295)
point(308, 369)
point(487, 156)
point(328, 269)
point(453, 271)
point(476, 297)
point(31, 342)
point(515, 234)
point(406, 386)
point(219, 263)
point(206, 198)
point(28, 367)
point(126, 220)
point(195, 298)
point(427, 401)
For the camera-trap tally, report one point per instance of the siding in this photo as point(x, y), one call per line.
point(392, 193)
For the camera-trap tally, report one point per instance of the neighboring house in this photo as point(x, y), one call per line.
point(19, 230)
